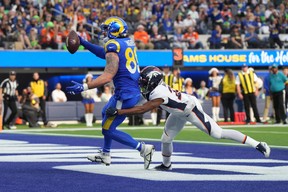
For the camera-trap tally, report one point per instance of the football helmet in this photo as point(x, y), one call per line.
point(114, 27)
point(150, 78)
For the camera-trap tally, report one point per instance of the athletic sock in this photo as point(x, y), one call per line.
point(167, 149)
point(252, 142)
point(217, 111)
point(90, 119)
point(87, 119)
point(214, 113)
point(154, 118)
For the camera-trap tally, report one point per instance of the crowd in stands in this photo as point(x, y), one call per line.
point(155, 24)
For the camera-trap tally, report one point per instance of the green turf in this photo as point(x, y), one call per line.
point(271, 135)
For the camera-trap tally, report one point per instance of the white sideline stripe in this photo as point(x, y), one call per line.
point(191, 128)
point(147, 139)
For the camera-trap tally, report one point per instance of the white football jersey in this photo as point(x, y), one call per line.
point(175, 102)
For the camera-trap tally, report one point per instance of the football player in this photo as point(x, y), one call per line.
point(121, 67)
point(182, 108)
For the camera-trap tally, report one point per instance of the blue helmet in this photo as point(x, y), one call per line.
point(115, 27)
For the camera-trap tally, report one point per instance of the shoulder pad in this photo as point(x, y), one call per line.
point(112, 46)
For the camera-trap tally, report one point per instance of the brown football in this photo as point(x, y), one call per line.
point(72, 42)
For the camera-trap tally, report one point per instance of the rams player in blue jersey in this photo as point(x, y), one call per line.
point(121, 67)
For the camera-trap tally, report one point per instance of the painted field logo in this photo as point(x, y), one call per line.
point(128, 163)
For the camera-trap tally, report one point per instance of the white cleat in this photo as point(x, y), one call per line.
point(101, 157)
point(12, 127)
point(147, 154)
point(264, 148)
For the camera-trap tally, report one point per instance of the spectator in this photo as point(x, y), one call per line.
point(2, 39)
point(23, 38)
point(151, 23)
point(146, 12)
point(268, 98)
point(142, 38)
point(189, 22)
point(250, 21)
point(215, 14)
point(167, 23)
point(228, 90)
point(58, 95)
point(38, 88)
point(88, 101)
point(269, 11)
point(253, 40)
point(189, 88)
point(107, 93)
point(193, 39)
point(34, 40)
point(277, 82)
point(275, 28)
point(246, 90)
point(30, 108)
point(179, 40)
point(202, 92)
point(216, 38)
point(193, 12)
point(214, 82)
point(235, 38)
point(8, 88)
point(159, 40)
point(60, 36)
point(48, 36)
point(179, 23)
point(81, 31)
point(177, 80)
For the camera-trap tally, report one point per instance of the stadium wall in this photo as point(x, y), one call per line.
point(192, 58)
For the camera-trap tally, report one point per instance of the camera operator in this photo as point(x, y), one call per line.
point(30, 107)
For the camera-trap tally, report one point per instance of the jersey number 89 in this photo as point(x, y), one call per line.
point(132, 61)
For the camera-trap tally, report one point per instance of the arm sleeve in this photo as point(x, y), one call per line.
point(95, 49)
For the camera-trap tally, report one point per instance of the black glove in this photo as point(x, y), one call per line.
point(111, 111)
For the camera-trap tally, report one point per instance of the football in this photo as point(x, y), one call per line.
point(72, 42)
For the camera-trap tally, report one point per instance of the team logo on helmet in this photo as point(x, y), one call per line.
point(115, 27)
point(150, 78)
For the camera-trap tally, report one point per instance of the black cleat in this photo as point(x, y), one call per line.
point(162, 167)
point(264, 149)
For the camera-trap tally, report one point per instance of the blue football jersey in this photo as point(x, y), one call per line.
point(126, 79)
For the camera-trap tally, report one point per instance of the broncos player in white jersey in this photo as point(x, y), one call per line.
point(182, 108)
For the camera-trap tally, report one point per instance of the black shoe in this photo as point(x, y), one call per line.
point(264, 149)
point(162, 167)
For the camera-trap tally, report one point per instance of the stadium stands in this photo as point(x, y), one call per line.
point(27, 24)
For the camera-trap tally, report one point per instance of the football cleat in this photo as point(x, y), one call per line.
point(101, 157)
point(162, 167)
point(264, 148)
point(147, 154)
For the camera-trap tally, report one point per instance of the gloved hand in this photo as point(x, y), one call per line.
point(111, 111)
point(76, 88)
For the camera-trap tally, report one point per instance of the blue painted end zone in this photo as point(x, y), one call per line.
point(40, 176)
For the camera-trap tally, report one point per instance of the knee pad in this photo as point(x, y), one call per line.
point(166, 139)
